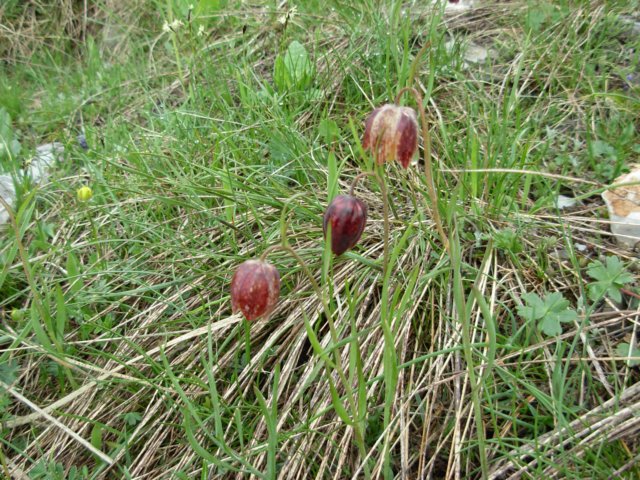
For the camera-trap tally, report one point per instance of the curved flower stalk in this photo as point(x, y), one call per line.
point(391, 133)
point(255, 289)
point(346, 216)
point(255, 285)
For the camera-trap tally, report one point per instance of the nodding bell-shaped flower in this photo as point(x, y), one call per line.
point(391, 132)
point(255, 288)
point(347, 217)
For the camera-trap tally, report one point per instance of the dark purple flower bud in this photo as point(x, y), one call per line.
point(391, 132)
point(347, 216)
point(82, 141)
point(255, 288)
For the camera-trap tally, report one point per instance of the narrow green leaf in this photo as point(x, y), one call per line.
point(96, 436)
point(62, 319)
point(38, 329)
point(337, 402)
point(317, 347)
point(73, 274)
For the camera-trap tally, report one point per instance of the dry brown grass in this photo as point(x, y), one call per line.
point(178, 340)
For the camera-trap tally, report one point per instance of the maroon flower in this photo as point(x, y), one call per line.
point(347, 216)
point(391, 132)
point(255, 288)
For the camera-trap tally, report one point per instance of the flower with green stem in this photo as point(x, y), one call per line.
point(262, 276)
point(255, 285)
point(84, 194)
point(391, 132)
point(345, 217)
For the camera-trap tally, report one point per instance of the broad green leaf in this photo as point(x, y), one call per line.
point(534, 309)
point(8, 372)
point(600, 148)
point(625, 350)
point(38, 329)
point(73, 274)
point(132, 418)
point(551, 312)
point(550, 326)
point(328, 130)
point(96, 436)
point(293, 70)
point(208, 6)
point(610, 277)
point(297, 63)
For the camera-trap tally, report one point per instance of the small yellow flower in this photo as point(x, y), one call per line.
point(17, 314)
point(84, 194)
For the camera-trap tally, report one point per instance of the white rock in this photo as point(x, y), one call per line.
point(476, 53)
point(565, 202)
point(8, 194)
point(624, 208)
point(38, 170)
point(40, 166)
point(459, 6)
point(581, 247)
point(471, 52)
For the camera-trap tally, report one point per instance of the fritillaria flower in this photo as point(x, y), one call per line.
point(255, 288)
point(347, 217)
point(391, 133)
